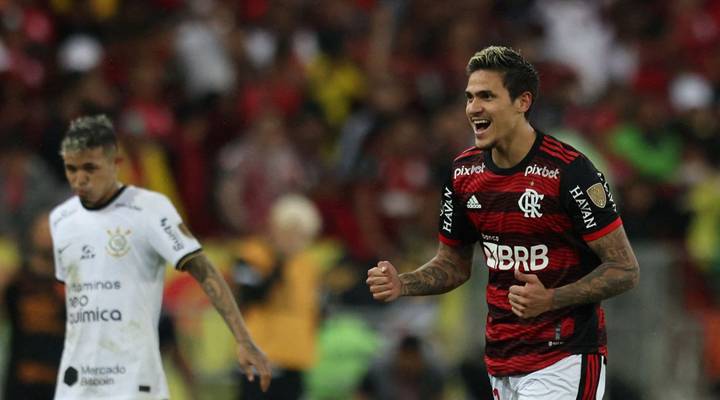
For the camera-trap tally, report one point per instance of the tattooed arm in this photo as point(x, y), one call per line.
point(449, 269)
point(217, 290)
point(617, 273)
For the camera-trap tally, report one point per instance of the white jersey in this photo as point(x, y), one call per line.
point(112, 260)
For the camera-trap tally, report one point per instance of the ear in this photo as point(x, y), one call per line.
point(523, 102)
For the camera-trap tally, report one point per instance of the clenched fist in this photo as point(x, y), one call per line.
point(384, 282)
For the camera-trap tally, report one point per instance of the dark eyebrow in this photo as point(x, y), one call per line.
point(488, 93)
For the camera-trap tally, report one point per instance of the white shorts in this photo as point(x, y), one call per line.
point(576, 377)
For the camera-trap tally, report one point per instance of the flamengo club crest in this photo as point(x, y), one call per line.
point(118, 244)
point(530, 203)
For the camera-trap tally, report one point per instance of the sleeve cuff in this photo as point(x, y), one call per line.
point(180, 266)
point(604, 231)
point(448, 241)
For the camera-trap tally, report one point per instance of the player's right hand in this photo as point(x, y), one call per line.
point(252, 359)
point(384, 282)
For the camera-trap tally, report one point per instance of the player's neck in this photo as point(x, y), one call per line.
point(509, 152)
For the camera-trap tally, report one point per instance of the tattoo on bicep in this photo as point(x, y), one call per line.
point(446, 271)
point(617, 273)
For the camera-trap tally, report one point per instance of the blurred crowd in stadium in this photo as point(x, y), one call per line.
point(229, 107)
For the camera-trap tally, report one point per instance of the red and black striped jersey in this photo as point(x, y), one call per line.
point(537, 217)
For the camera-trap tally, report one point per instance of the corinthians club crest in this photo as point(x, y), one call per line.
point(118, 244)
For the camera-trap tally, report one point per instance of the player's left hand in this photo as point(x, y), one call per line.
point(532, 298)
point(250, 356)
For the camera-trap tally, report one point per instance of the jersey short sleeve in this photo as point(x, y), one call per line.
point(167, 233)
point(586, 196)
point(60, 269)
point(455, 228)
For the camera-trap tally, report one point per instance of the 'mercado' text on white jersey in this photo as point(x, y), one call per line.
point(112, 261)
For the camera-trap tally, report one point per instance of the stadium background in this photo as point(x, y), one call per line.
point(227, 106)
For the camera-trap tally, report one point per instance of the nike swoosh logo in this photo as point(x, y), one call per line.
point(60, 250)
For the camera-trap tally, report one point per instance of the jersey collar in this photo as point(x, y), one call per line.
point(519, 166)
point(107, 203)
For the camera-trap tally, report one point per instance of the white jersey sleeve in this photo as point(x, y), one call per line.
point(61, 243)
point(60, 270)
point(167, 233)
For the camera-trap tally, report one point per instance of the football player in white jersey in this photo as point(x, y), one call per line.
point(111, 244)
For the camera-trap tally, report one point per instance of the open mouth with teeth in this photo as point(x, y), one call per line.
point(480, 125)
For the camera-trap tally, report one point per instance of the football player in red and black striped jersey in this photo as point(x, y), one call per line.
point(553, 241)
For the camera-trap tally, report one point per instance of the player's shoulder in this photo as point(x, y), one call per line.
point(64, 211)
point(467, 155)
point(559, 151)
point(146, 198)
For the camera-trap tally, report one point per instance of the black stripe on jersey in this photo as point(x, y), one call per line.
point(563, 147)
point(180, 266)
point(508, 202)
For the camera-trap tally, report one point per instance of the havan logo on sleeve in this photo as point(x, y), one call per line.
point(584, 205)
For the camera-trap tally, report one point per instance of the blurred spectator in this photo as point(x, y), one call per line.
point(255, 170)
point(407, 374)
point(35, 305)
point(394, 181)
point(647, 143)
point(145, 162)
point(346, 347)
point(26, 185)
point(277, 283)
point(203, 59)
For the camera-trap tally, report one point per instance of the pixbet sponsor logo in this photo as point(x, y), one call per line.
point(465, 171)
point(504, 257)
point(544, 171)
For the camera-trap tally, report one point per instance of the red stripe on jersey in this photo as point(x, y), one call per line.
point(510, 331)
point(468, 152)
point(552, 142)
point(503, 185)
point(448, 241)
point(588, 378)
point(513, 222)
point(604, 231)
point(497, 298)
point(555, 154)
point(518, 365)
point(593, 367)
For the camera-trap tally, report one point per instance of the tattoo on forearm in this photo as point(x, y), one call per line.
point(219, 293)
point(618, 273)
point(447, 270)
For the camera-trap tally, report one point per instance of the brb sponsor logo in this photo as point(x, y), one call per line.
point(504, 257)
point(543, 172)
point(465, 171)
